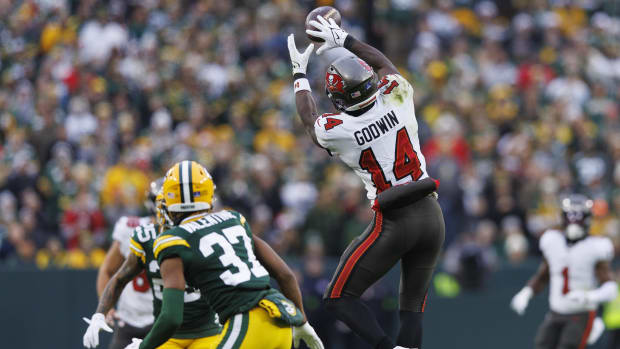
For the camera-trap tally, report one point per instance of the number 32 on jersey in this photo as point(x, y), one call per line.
point(406, 162)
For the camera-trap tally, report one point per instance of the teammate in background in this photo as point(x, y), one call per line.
point(572, 262)
point(134, 310)
point(218, 255)
point(375, 133)
point(200, 327)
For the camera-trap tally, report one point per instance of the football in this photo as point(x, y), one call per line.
point(327, 12)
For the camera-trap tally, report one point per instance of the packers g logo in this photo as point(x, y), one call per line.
point(289, 307)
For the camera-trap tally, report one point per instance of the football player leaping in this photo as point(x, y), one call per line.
point(573, 263)
point(134, 310)
point(375, 133)
point(216, 253)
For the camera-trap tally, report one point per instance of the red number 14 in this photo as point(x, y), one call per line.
point(406, 162)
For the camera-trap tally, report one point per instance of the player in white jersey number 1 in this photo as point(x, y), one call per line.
point(133, 316)
point(375, 133)
point(573, 263)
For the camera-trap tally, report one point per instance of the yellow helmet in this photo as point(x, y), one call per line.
point(188, 187)
point(162, 217)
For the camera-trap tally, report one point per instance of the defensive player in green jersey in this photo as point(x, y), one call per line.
point(217, 253)
point(200, 327)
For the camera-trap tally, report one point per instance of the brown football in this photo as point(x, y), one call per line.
point(327, 12)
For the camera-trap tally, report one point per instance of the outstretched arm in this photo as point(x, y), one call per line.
point(306, 107)
point(536, 284)
point(377, 60)
point(280, 271)
point(539, 281)
point(112, 262)
point(113, 289)
point(335, 36)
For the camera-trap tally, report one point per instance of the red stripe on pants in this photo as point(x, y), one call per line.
point(357, 254)
point(586, 333)
point(424, 304)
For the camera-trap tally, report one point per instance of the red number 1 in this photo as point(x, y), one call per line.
point(368, 162)
point(565, 288)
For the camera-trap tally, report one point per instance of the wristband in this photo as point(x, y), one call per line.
point(348, 42)
point(301, 85)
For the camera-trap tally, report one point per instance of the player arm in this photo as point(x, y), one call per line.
point(306, 108)
point(171, 315)
point(536, 284)
point(375, 58)
point(114, 287)
point(111, 264)
point(539, 281)
point(608, 290)
point(280, 271)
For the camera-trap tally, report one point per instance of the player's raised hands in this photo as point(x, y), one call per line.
point(306, 333)
point(95, 324)
point(333, 35)
point(298, 59)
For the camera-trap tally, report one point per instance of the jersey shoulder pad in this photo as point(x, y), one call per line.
point(603, 246)
point(549, 238)
point(396, 86)
point(239, 216)
point(169, 243)
point(326, 128)
point(136, 247)
point(328, 121)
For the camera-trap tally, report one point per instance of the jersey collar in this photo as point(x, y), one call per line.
point(193, 218)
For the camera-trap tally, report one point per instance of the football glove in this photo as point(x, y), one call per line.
point(95, 324)
point(333, 35)
point(598, 327)
point(135, 344)
point(520, 300)
point(306, 333)
point(298, 59)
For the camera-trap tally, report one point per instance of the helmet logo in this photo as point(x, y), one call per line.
point(334, 82)
point(365, 65)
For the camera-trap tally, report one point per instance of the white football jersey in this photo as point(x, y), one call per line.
point(572, 267)
point(381, 145)
point(135, 305)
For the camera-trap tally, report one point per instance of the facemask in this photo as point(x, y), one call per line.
point(575, 231)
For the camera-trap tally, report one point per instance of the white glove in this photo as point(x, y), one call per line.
point(582, 298)
point(333, 35)
point(307, 334)
point(598, 327)
point(135, 343)
point(299, 60)
point(95, 324)
point(520, 300)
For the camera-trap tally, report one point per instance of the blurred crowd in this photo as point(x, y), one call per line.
point(516, 101)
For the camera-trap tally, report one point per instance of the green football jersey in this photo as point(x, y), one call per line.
point(199, 319)
point(218, 258)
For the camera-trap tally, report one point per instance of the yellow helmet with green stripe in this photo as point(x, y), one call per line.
point(188, 187)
